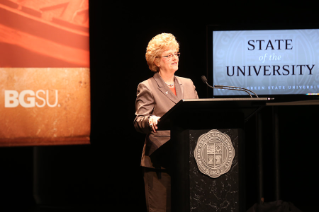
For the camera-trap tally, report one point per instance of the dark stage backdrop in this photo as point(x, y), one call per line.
point(119, 63)
point(107, 173)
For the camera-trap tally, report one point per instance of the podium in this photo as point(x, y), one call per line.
point(205, 135)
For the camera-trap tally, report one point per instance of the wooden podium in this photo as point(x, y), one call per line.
point(191, 121)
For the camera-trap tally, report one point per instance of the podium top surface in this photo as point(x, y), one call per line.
point(228, 100)
point(247, 106)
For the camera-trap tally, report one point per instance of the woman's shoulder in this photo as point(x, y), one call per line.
point(148, 82)
point(145, 83)
point(184, 79)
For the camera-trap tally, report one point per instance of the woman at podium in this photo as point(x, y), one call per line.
point(156, 96)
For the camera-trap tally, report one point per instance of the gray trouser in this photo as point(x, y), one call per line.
point(157, 190)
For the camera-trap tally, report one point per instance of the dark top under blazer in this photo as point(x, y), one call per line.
point(155, 98)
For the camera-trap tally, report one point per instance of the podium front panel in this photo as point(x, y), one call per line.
point(193, 191)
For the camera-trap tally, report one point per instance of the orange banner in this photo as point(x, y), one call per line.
point(51, 33)
point(43, 106)
point(44, 72)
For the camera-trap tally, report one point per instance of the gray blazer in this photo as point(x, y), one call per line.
point(155, 98)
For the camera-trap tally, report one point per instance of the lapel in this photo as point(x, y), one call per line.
point(179, 88)
point(166, 91)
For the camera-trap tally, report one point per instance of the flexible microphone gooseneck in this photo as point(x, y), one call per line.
point(233, 88)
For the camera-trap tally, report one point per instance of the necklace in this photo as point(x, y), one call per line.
point(169, 84)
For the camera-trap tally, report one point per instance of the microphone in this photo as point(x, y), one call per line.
point(204, 79)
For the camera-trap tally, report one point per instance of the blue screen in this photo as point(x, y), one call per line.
point(268, 62)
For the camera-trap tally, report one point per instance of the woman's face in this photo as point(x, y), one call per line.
point(168, 62)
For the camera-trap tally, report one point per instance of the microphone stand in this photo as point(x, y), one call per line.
point(234, 88)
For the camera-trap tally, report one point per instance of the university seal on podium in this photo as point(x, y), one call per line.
point(214, 153)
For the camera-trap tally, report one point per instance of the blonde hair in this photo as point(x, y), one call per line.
point(157, 46)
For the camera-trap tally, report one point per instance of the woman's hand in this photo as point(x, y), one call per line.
point(153, 120)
